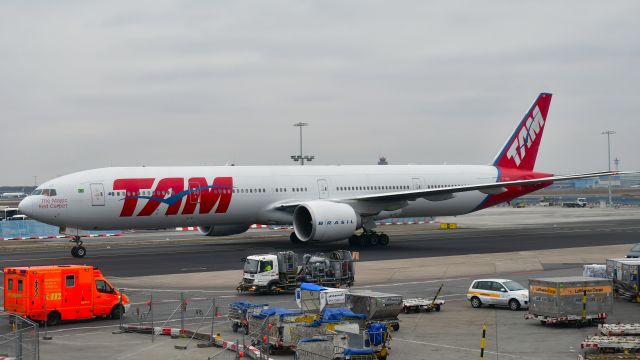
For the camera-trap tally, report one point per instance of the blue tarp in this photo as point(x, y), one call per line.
point(337, 314)
point(244, 305)
point(311, 287)
point(376, 333)
point(348, 351)
point(275, 311)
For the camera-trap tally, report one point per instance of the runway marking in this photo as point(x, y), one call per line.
point(460, 348)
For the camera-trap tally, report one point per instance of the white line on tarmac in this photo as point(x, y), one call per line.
point(459, 348)
point(410, 283)
point(177, 290)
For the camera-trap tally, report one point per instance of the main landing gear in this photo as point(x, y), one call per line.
point(369, 238)
point(77, 251)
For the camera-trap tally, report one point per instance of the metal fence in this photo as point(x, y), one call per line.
point(169, 313)
point(21, 340)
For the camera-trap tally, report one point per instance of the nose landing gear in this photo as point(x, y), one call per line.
point(78, 251)
point(369, 238)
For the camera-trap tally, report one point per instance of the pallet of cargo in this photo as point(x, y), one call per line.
point(619, 329)
point(612, 343)
point(569, 319)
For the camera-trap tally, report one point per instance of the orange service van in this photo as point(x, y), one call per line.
point(60, 292)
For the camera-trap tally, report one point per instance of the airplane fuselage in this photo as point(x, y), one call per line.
point(161, 197)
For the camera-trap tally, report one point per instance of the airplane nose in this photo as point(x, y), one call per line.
point(26, 206)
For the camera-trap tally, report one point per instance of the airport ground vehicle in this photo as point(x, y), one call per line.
point(580, 202)
point(282, 271)
point(571, 299)
point(418, 304)
point(634, 252)
point(498, 292)
point(61, 292)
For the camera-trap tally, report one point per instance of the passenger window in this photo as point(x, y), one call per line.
point(19, 286)
point(10, 284)
point(103, 287)
point(498, 287)
point(484, 285)
point(70, 281)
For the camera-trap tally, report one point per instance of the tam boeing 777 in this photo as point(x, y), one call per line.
point(323, 203)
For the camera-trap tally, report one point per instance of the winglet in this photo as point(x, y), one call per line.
point(521, 149)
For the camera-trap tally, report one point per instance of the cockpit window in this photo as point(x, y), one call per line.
point(45, 192)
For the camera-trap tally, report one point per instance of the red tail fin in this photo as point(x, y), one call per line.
point(521, 149)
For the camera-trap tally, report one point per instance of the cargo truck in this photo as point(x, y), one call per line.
point(573, 299)
point(283, 272)
point(61, 292)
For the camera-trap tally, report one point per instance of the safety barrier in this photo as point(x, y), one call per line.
point(21, 339)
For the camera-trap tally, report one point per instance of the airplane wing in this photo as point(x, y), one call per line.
point(447, 193)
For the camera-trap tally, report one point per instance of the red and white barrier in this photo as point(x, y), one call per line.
point(228, 345)
point(58, 237)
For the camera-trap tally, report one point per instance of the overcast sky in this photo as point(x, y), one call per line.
point(86, 84)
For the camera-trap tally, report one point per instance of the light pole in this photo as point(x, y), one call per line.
point(301, 157)
point(609, 133)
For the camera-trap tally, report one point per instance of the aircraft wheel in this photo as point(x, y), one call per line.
point(81, 252)
point(354, 241)
point(384, 240)
point(374, 239)
point(74, 251)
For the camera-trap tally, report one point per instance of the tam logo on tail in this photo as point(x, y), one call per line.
point(521, 149)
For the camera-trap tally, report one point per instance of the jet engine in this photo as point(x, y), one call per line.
point(222, 230)
point(324, 221)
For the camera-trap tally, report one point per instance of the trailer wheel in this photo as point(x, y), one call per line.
point(475, 302)
point(437, 307)
point(395, 326)
point(53, 318)
point(234, 327)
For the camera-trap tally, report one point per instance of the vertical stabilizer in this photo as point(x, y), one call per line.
point(521, 149)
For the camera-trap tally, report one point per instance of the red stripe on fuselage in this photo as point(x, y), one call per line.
point(511, 174)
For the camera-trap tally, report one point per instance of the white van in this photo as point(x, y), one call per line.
point(498, 292)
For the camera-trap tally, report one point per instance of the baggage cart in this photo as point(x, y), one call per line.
point(620, 344)
point(419, 304)
point(275, 325)
point(239, 312)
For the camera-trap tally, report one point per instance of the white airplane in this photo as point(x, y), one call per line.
point(13, 195)
point(324, 203)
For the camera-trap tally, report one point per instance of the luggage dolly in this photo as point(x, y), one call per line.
point(417, 304)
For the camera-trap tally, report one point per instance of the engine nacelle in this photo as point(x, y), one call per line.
point(222, 230)
point(324, 221)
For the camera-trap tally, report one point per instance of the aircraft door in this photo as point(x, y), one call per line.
point(97, 194)
point(417, 183)
point(323, 188)
point(194, 192)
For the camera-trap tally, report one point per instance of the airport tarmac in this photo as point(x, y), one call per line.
point(502, 242)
